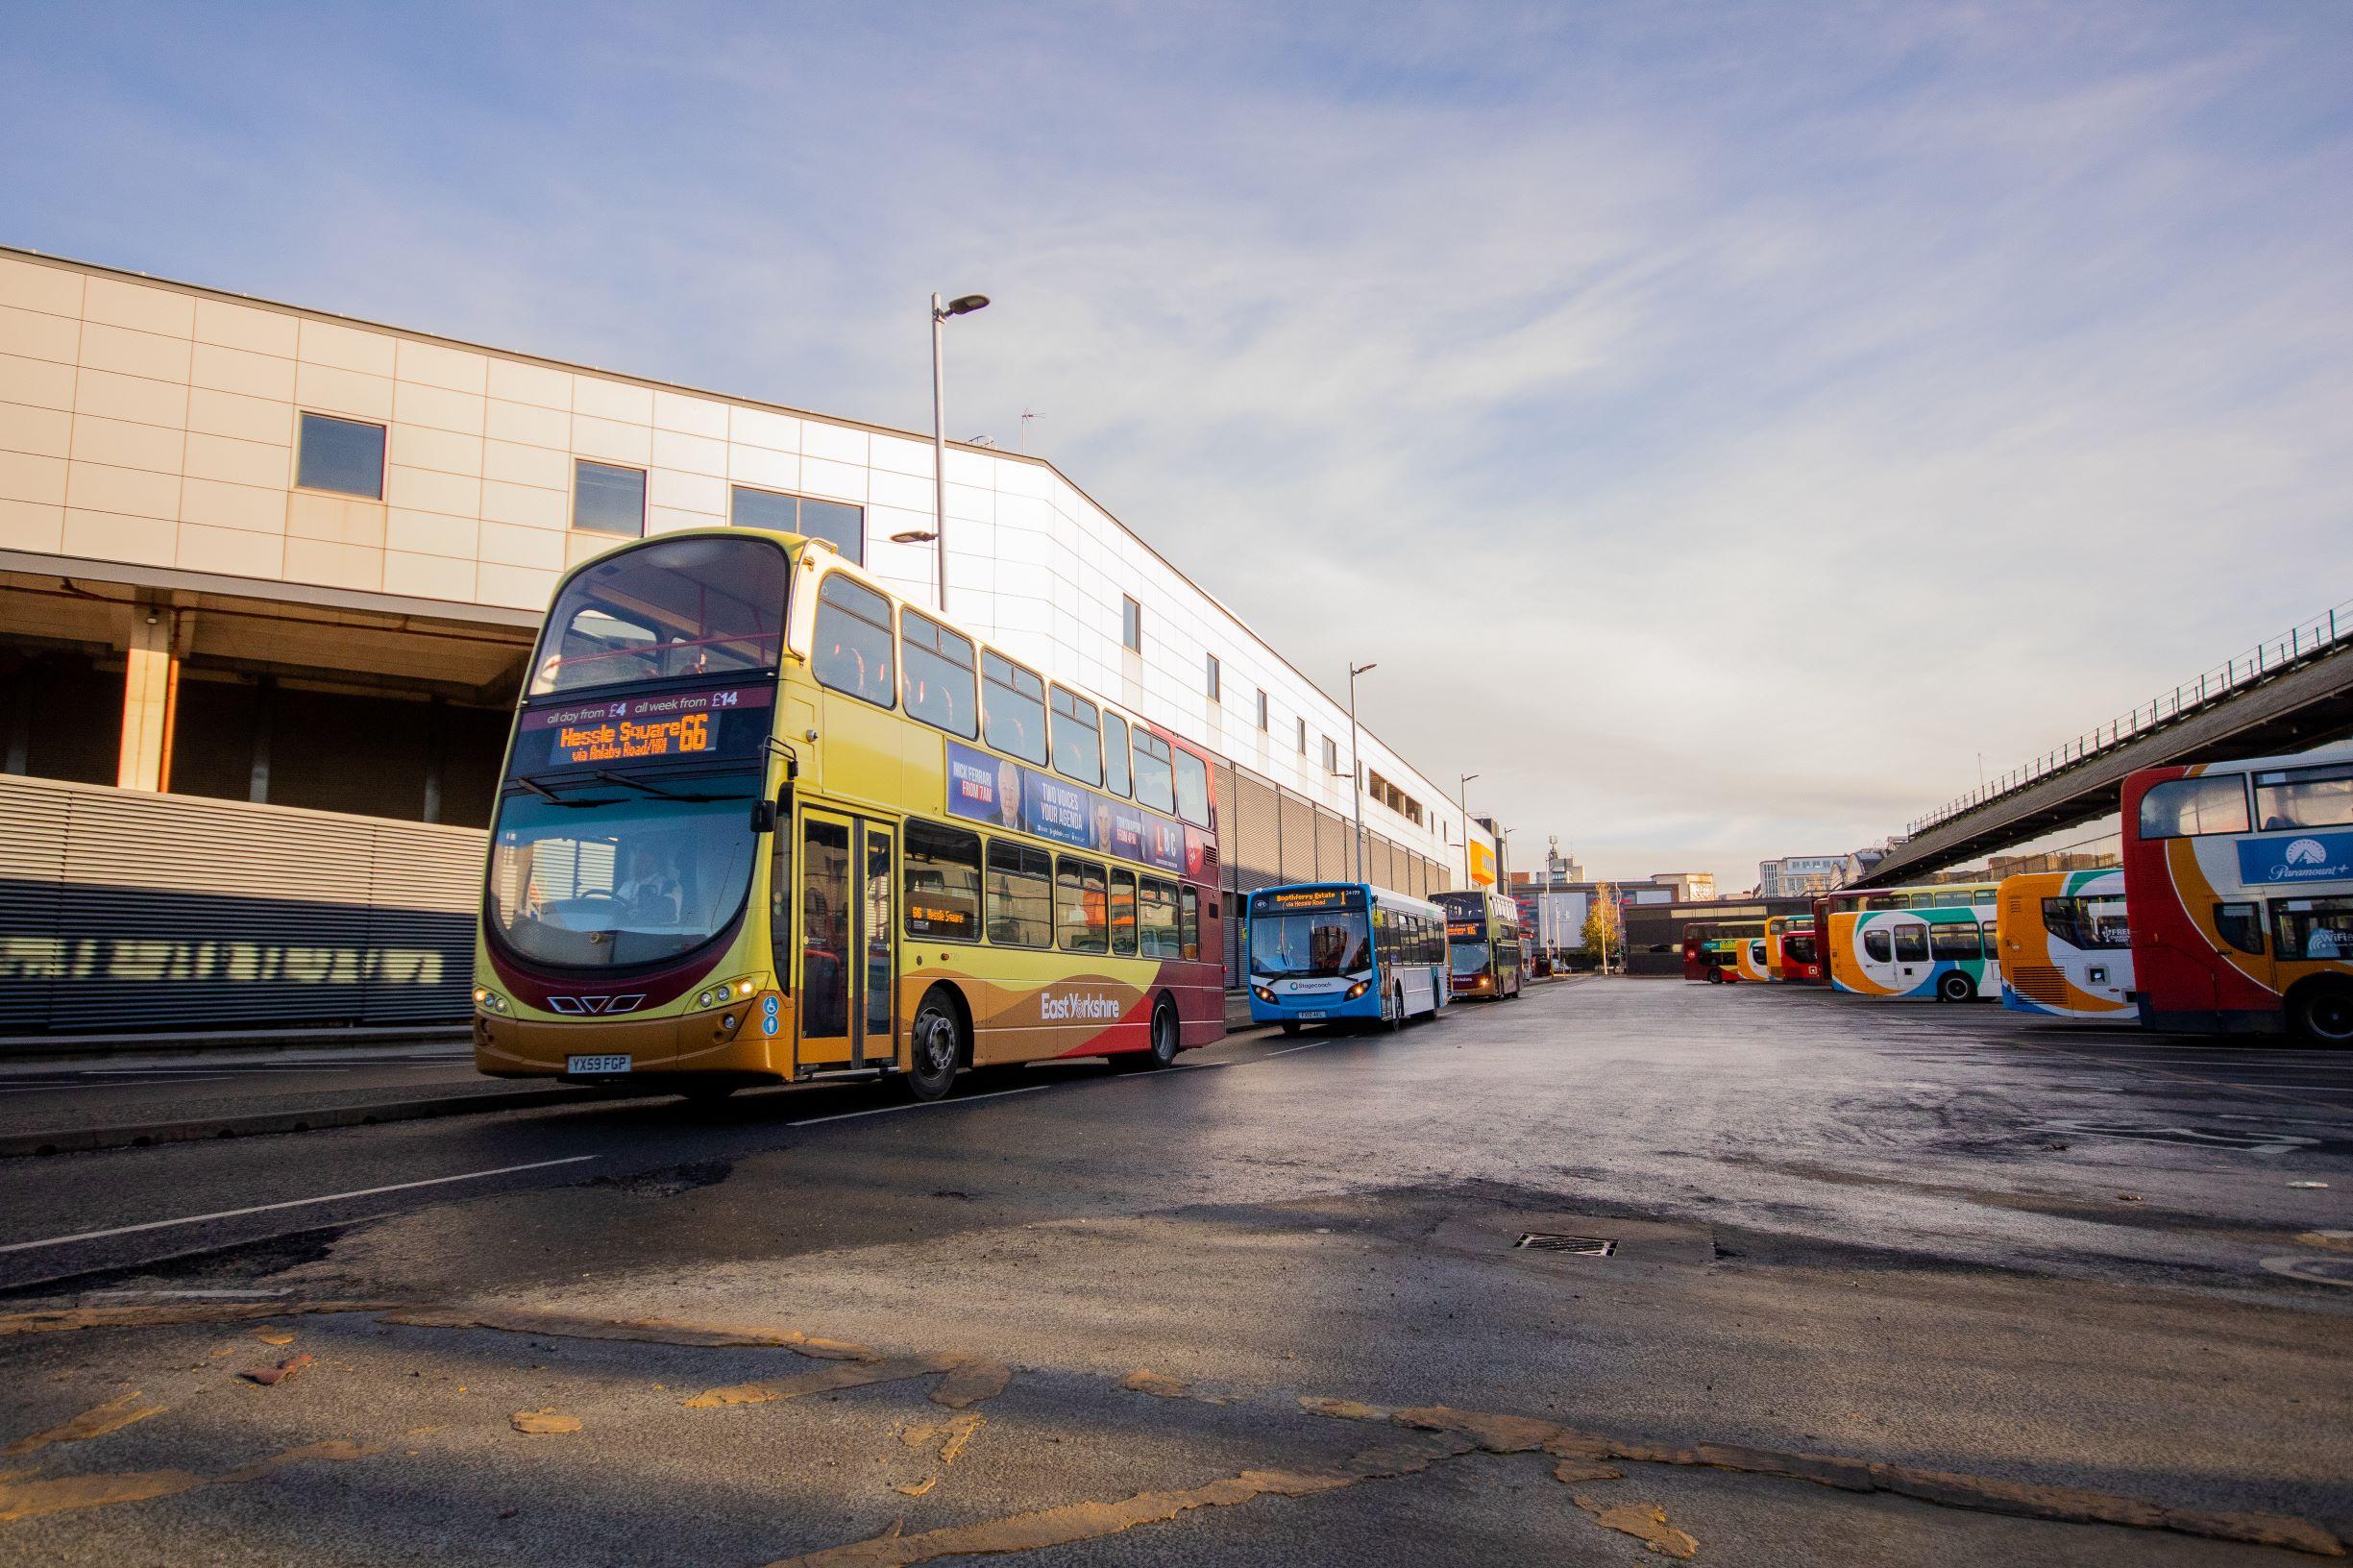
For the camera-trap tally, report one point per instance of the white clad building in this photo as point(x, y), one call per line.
point(260, 555)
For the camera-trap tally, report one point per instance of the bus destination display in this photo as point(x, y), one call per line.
point(642, 728)
point(1267, 903)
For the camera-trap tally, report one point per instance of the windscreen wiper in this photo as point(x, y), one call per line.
point(659, 793)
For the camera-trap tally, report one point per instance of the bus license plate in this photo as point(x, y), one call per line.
point(1315, 1015)
point(596, 1064)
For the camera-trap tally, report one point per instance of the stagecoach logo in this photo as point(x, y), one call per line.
point(1076, 1004)
point(2319, 857)
point(595, 1004)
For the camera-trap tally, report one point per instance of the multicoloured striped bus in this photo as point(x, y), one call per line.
point(2239, 879)
point(1921, 953)
point(2066, 946)
point(762, 823)
point(1711, 949)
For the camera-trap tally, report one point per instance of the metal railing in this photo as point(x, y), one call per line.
point(2301, 643)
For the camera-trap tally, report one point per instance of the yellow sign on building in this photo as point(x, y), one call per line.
point(1482, 865)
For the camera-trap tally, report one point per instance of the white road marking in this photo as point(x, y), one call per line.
point(1285, 1051)
point(291, 1203)
point(922, 1105)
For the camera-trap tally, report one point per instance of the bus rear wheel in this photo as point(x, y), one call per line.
point(935, 1042)
point(2323, 1014)
point(1956, 987)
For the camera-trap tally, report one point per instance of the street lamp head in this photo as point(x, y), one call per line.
point(914, 536)
point(1356, 670)
point(967, 304)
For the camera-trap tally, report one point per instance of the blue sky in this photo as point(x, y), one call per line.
point(1620, 376)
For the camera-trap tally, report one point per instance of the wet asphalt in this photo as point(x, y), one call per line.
point(1947, 1239)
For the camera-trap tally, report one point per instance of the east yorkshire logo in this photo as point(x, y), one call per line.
point(1076, 1004)
point(2305, 852)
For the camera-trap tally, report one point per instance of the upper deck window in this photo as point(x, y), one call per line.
point(2304, 797)
point(1013, 708)
point(2182, 808)
point(852, 648)
point(666, 609)
point(1193, 789)
point(940, 687)
point(1155, 773)
point(1115, 754)
point(1078, 740)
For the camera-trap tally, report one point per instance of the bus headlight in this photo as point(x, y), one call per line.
point(488, 1000)
point(1358, 989)
point(725, 992)
point(1262, 994)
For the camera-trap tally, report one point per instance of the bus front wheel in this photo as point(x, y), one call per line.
point(1397, 1010)
point(1956, 987)
point(937, 1039)
point(1291, 1026)
point(2323, 1014)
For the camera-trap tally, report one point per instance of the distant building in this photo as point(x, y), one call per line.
point(1795, 876)
point(1686, 886)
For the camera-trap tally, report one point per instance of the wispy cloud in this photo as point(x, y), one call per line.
point(1675, 360)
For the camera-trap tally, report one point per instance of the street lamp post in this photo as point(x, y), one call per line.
point(1462, 805)
point(1355, 761)
point(962, 306)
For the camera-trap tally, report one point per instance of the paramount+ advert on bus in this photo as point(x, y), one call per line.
point(986, 788)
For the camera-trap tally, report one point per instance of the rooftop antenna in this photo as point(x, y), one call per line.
point(1021, 441)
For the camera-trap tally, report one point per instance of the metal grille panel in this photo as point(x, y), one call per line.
point(122, 910)
point(1330, 847)
point(1298, 840)
point(1257, 838)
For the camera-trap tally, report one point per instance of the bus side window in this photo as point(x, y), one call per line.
point(1189, 940)
point(2241, 925)
point(852, 651)
point(1875, 947)
point(1123, 913)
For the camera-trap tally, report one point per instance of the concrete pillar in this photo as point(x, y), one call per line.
point(151, 680)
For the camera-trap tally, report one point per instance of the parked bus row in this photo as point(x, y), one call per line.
point(2232, 911)
point(762, 822)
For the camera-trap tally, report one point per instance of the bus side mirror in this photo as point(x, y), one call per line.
point(762, 817)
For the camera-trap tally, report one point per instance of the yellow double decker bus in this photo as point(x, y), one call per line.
point(762, 823)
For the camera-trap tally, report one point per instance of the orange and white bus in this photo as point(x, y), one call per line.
point(762, 823)
point(2066, 946)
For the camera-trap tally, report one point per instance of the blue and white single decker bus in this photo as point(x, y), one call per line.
point(1320, 952)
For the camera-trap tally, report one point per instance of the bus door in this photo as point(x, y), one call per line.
point(848, 925)
point(1911, 942)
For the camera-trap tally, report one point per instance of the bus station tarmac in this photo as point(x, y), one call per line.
point(1934, 1285)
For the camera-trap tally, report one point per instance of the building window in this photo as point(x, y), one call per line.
point(343, 455)
point(608, 499)
point(1303, 737)
point(1331, 757)
point(841, 525)
point(1212, 674)
point(1262, 710)
point(1131, 625)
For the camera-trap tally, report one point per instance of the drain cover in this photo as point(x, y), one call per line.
point(1581, 1246)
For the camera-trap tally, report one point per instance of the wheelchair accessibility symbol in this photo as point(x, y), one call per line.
point(767, 1015)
